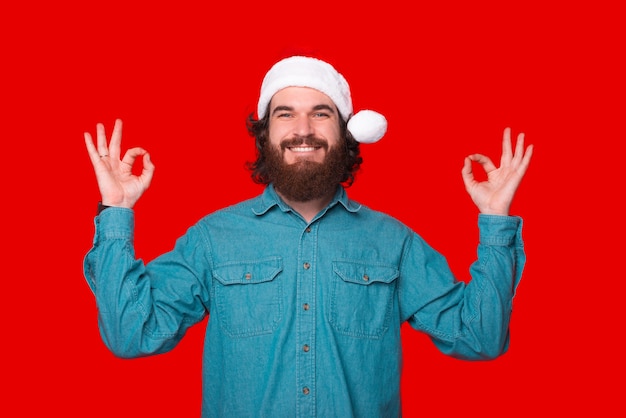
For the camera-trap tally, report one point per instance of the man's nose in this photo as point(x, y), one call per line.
point(303, 127)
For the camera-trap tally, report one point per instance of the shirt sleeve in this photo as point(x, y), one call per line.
point(144, 308)
point(465, 320)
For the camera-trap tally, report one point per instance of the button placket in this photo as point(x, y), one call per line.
point(306, 282)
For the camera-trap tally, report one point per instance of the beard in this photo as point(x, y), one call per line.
point(305, 180)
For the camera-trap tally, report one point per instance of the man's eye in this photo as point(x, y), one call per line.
point(321, 115)
point(284, 115)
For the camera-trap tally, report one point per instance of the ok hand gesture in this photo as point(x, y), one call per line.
point(494, 196)
point(118, 185)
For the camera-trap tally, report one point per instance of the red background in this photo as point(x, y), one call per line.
point(448, 76)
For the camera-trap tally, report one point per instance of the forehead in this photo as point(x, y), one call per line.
point(300, 97)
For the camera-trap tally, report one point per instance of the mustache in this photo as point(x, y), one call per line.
point(311, 140)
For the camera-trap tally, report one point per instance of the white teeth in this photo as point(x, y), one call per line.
point(302, 149)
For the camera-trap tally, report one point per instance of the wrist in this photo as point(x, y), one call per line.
point(101, 207)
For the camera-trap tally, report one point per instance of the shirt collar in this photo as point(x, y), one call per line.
point(270, 198)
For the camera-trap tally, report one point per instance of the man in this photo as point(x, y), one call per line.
point(305, 288)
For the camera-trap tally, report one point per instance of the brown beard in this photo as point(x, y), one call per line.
point(305, 180)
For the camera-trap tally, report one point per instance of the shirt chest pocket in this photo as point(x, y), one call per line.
point(361, 298)
point(248, 296)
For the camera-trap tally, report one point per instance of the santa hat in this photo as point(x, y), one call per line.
point(366, 126)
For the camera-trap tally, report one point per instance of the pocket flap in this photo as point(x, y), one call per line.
point(364, 273)
point(248, 271)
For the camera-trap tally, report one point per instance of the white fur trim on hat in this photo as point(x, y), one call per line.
point(298, 71)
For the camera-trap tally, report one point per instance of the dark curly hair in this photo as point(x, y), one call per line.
point(259, 129)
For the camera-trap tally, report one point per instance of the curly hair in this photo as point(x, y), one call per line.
point(259, 129)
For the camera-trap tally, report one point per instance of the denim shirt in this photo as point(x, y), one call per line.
point(305, 318)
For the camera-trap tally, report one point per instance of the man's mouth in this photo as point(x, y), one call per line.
point(303, 148)
point(302, 145)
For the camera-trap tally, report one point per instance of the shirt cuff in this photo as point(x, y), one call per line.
point(500, 230)
point(115, 223)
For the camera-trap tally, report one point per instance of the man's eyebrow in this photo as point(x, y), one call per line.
point(284, 108)
point(324, 107)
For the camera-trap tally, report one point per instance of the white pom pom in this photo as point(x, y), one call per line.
point(367, 126)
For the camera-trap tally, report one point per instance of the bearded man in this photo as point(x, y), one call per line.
point(306, 289)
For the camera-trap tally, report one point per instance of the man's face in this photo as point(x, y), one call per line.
point(304, 124)
point(305, 160)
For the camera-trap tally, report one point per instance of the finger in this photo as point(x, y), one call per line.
point(116, 140)
point(148, 170)
point(484, 161)
point(91, 148)
point(101, 138)
point(519, 147)
point(527, 156)
point(131, 155)
point(506, 146)
point(467, 173)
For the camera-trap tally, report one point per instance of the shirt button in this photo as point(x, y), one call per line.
point(307, 230)
point(306, 266)
point(248, 276)
point(306, 390)
point(366, 277)
point(306, 348)
point(305, 306)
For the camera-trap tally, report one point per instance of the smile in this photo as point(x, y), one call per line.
point(303, 149)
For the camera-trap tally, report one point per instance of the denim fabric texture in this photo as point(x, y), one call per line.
point(304, 318)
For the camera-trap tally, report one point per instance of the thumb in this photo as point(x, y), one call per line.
point(467, 173)
point(148, 170)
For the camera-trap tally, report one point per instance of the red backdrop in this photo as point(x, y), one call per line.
point(448, 76)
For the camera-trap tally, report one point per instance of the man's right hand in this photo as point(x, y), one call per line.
point(118, 185)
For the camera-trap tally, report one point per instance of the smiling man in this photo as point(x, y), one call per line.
point(306, 289)
point(306, 156)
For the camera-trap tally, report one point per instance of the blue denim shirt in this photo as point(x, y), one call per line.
point(304, 317)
